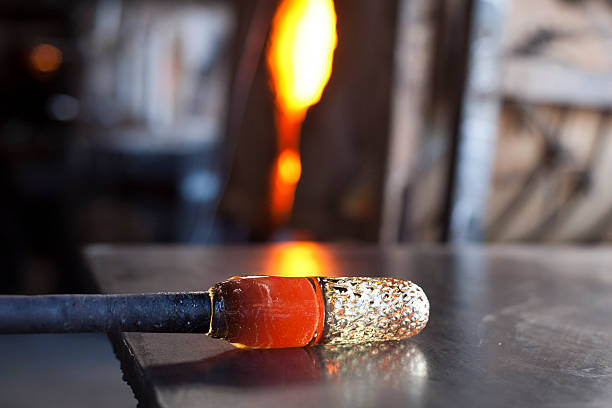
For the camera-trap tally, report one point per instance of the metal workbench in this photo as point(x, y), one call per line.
point(510, 326)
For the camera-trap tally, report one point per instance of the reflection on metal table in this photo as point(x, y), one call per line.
point(509, 326)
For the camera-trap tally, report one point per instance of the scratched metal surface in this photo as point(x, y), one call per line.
point(509, 326)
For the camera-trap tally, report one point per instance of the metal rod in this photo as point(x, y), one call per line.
point(156, 312)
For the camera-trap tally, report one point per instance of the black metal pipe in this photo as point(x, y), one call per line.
point(156, 312)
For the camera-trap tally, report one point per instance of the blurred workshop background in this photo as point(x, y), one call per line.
point(400, 121)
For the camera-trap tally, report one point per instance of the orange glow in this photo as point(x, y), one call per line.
point(301, 51)
point(332, 367)
point(289, 167)
point(300, 55)
point(269, 311)
point(302, 259)
point(46, 58)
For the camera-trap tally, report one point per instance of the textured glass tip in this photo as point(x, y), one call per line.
point(362, 310)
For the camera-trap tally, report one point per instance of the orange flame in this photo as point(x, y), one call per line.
point(300, 56)
point(289, 167)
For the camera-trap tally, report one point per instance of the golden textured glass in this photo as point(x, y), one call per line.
point(372, 309)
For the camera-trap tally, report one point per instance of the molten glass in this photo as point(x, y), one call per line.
point(267, 312)
point(277, 312)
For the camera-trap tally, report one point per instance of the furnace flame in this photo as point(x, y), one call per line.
point(300, 56)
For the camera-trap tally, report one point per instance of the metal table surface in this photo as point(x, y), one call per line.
point(509, 326)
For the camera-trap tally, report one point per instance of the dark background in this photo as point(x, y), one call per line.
point(156, 125)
